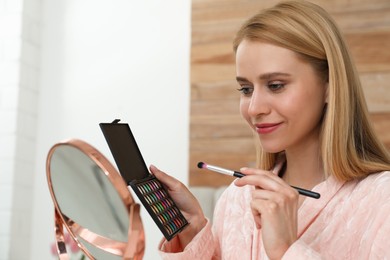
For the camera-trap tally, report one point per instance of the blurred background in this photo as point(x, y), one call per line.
point(66, 66)
point(165, 67)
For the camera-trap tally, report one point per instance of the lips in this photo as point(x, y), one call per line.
point(267, 128)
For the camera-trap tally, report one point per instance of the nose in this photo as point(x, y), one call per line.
point(258, 104)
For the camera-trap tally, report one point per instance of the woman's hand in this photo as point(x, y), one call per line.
point(186, 202)
point(274, 207)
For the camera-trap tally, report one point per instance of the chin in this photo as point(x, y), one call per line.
point(271, 148)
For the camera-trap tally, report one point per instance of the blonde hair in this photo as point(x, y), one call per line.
point(350, 148)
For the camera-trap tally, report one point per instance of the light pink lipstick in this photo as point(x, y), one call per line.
point(266, 128)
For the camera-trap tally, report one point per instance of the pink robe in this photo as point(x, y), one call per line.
point(350, 221)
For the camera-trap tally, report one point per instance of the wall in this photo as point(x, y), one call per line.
point(218, 134)
point(19, 72)
point(95, 61)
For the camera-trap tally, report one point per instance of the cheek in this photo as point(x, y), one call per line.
point(244, 105)
point(309, 100)
point(307, 109)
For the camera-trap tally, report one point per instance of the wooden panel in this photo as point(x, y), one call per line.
point(215, 90)
point(217, 21)
point(370, 19)
point(221, 53)
point(206, 126)
point(217, 10)
point(376, 87)
point(214, 107)
point(381, 124)
point(212, 72)
point(218, 134)
point(231, 153)
point(368, 50)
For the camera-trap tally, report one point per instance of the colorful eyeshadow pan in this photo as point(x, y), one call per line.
point(161, 207)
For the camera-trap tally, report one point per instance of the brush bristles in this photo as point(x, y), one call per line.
point(201, 165)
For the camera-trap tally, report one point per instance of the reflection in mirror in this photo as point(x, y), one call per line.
point(94, 202)
point(85, 195)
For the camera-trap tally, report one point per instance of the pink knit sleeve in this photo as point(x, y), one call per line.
point(299, 250)
point(201, 247)
point(381, 242)
point(205, 245)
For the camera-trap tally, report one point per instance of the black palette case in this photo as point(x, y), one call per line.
point(146, 186)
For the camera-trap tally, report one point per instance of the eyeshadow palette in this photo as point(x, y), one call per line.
point(151, 193)
point(147, 187)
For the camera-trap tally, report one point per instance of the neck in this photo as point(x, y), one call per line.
point(304, 165)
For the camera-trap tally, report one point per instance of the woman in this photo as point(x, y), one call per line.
point(301, 95)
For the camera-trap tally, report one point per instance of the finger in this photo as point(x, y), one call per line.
point(254, 171)
point(262, 180)
point(283, 197)
point(256, 217)
point(263, 194)
point(257, 207)
point(168, 181)
point(277, 168)
point(264, 208)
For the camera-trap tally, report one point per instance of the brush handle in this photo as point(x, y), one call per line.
point(307, 193)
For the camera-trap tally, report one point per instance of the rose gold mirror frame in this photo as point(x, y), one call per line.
point(134, 248)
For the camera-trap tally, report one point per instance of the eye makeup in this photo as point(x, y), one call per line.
point(152, 194)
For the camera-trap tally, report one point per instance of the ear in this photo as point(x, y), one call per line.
point(326, 85)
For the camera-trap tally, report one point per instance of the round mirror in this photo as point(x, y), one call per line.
point(93, 202)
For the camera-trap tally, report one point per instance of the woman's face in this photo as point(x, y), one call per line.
point(282, 97)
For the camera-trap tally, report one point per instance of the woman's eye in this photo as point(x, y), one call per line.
point(245, 90)
point(275, 86)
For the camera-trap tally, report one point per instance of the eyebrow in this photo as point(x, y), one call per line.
point(265, 76)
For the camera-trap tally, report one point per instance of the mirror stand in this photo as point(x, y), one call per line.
point(128, 251)
point(59, 237)
point(94, 204)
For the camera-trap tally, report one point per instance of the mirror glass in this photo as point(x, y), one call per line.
point(87, 197)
